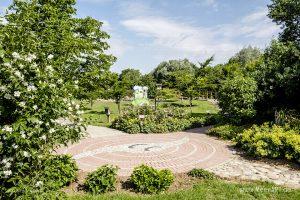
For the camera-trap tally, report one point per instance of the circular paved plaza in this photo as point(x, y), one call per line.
point(179, 152)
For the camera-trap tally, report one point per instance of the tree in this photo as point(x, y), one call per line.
point(237, 97)
point(99, 89)
point(40, 60)
point(286, 13)
point(164, 72)
point(167, 94)
point(118, 92)
point(279, 78)
point(185, 82)
point(94, 64)
point(131, 77)
point(246, 56)
point(207, 62)
point(149, 81)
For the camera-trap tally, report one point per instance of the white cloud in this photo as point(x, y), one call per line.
point(136, 8)
point(212, 3)
point(206, 3)
point(117, 46)
point(194, 41)
point(256, 25)
point(255, 16)
point(106, 26)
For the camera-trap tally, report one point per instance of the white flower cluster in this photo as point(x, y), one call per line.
point(7, 129)
point(31, 87)
point(80, 59)
point(6, 162)
point(50, 57)
point(39, 184)
point(3, 21)
point(7, 173)
point(3, 88)
point(30, 58)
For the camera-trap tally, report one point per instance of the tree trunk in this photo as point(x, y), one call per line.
point(155, 103)
point(119, 106)
point(191, 103)
point(91, 103)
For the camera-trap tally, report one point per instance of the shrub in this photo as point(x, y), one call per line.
point(60, 170)
point(40, 70)
point(201, 173)
point(237, 97)
point(227, 131)
point(40, 194)
point(149, 180)
point(156, 121)
point(270, 141)
point(102, 180)
point(55, 172)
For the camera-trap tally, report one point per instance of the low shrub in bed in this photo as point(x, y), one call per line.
point(162, 120)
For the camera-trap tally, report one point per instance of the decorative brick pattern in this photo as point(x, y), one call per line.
point(179, 152)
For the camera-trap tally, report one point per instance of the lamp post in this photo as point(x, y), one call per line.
point(158, 87)
point(107, 112)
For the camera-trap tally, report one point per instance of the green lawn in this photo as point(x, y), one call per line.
point(96, 115)
point(210, 189)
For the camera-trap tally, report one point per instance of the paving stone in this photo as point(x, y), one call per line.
point(179, 152)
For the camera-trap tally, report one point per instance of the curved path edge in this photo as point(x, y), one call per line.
point(180, 152)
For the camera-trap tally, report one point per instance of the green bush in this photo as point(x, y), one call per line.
point(270, 141)
point(149, 180)
point(161, 120)
point(102, 180)
point(55, 171)
point(40, 194)
point(227, 131)
point(201, 173)
point(60, 170)
point(237, 97)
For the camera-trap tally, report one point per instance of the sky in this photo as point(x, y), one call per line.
point(147, 32)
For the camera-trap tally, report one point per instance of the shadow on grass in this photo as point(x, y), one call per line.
point(97, 112)
point(127, 185)
point(182, 105)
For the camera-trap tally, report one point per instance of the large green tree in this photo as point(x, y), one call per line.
point(94, 63)
point(130, 77)
point(278, 76)
point(43, 58)
point(164, 72)
point(286, 13)
point(245, 56)
point(186, 84)
point(237, 97)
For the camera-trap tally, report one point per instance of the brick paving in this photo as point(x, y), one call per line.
point(179, 152)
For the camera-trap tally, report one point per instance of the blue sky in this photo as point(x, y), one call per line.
point(147, 32)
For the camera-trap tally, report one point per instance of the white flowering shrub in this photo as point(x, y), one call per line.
point(42, 52)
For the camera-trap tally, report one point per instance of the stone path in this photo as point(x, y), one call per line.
point(241, 168)
point(179, 152)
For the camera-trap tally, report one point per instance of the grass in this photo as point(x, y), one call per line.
point(208, 189)
point(96, 115)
